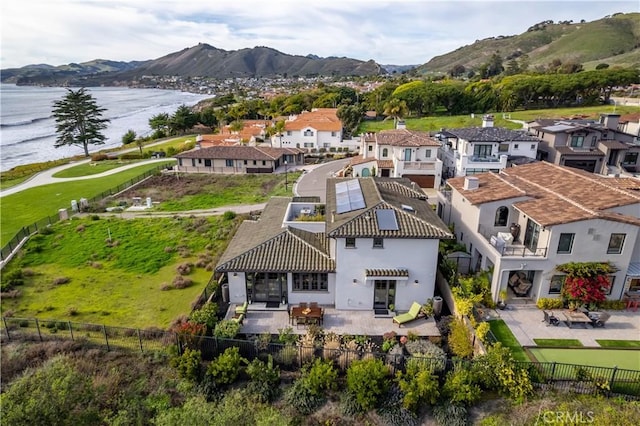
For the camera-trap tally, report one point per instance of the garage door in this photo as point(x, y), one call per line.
point(423, 181)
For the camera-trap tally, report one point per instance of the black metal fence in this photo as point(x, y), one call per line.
point(28, 230)
point(544, 375)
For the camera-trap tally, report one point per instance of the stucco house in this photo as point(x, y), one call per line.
point(317, 129)
point(375, 244)
point(237, 159)
point(471, 150)
point(525, 220)
point(597, 146)
point(399, 153)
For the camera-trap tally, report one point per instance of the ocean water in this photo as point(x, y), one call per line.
point(27, 127)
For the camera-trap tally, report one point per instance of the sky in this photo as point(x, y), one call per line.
point(400, 32)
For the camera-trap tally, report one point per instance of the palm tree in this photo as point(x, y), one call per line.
point(395, 108)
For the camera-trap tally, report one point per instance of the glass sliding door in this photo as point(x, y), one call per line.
point(266, 286)
point(531, 235)
point(384, 293)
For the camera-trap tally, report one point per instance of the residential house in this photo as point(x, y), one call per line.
point(376, 245)
point(597, 146)
point(399, 153)
point(526, 220)
point(472, 150)
point(238, 159)
point(318, 129)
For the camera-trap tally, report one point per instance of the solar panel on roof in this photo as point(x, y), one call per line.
point(387, 220)
point(349, 196)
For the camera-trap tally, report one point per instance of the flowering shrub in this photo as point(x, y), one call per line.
point(586, 282)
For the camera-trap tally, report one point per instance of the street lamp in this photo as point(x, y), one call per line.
point(286, 181)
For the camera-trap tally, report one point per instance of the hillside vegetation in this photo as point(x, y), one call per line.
point(614, 40)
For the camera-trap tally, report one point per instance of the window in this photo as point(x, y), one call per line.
point(370, 148)
point(378, 242)
point(289, 133)
point(612, 281)
point(179, 161)
point(427, 153)
point(516, 146)
point(193, 162)
point(504, 147)
point(462, 236)
point(308, 144)
point(199, 160)
point(385, 152)
point(577, 141)
point(264, 163)
point(565, 243)
point(556, 283)
point(207, 162)
point(482, 150)
point(333, 134)
point(229, 163)
point(310, 282)
point(308, 132)
point(615, 243)
point(594, 140)
point(502, 216)
point(533, 147)
point(630, 158)
point(245, 162)
point(350, 242)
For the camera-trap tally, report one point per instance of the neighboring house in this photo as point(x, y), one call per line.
point(253, 132)
point(315, 130)
point(399, 153)
point(528, 219)
point(376, 245)
point(473, 150)
point(238, 159)
point(596, 146)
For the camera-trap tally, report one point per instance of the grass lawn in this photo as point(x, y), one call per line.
point(619, 343)
point(502, 332)
point(73, 272)
point(627, 359)
point(31, 205)
point(93, 168)
point(560, 343)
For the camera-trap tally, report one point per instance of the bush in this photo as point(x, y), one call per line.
point(99, 157)
point(225, 368)
point(418, 384)
point(367, 380)
point(546, 303)
point(320, 376)
point(130, 156)
point(207, 315)
point(229, 215)
point(288, 355)
point(188, 364)
point(265, 378)
point(497, 370)
point(450, 415)
point(392, 411)
point(299, 396)
point(460, 387)
point(227, 329)
point(11, 279)
point(460, 339)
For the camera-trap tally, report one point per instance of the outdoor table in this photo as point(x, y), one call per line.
point(306, 315)
point(572, 317)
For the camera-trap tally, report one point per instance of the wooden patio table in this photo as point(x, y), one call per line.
point(303, 315)
point(573, 317)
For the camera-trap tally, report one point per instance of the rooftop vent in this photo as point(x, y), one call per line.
point(470, 183)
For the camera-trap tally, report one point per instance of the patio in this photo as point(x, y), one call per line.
point(526, 323)
point(261, 320)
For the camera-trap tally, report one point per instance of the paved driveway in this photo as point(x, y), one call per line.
point(314, 181)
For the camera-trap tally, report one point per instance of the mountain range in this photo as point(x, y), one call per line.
point(614, 40)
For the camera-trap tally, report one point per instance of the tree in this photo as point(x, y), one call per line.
point(183, 119)
point(160, 124)
point(350, 116)
point(129, 137)
point(395, 109)
point(208, 117)
point(79, 120)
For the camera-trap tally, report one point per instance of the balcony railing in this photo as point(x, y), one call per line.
point(481, 159)
point(420, 165)
point(513, 250)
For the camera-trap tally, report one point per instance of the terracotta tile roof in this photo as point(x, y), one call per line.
point(635, 116)
point(397, 194)
point(264, 246)
point(359, 159)
point(385, 164)
point(552, 194)
point(239, 152)
point(404, 137)
point(322, 119)
point(614, 144)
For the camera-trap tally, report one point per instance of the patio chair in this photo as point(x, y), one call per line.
point(242, 309)
point(409, 316)
point(238, 318)
point(598, 319)
point(550, 319)
point(313, 304)
point(303, 305)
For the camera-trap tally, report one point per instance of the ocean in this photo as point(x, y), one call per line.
point(27, 127)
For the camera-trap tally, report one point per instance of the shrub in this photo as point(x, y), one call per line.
point(188, 364)
point(450, 415)
point(418, 384)
point(130, 156)
point(181, 282)
point(225, 368)
point(61, 280)
point(460, 387)
point(460, 339)
point(286, 336)
point(549, 303)
point(320, 376)
point(184, 268)
point(265, 378)
point(287, 355)
point(227, 329)
point(367, 380)
point(207, 315)
point(229, 215)
point(331, 348)
point(300, 397)
point(497, 370)
point(482, 329)
point(392, 411)
point(389, 341)
point(99, 157)
point(11, 279)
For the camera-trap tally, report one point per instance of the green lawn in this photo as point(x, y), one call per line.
point(502, 332)
point(31, 205)
point(627, 359)
point(93, 168)
point(618, 343)
point(74, 272)
point(560, 343)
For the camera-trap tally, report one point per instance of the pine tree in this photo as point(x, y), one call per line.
point(79, 120)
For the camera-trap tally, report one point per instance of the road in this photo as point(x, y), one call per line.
point(314, 182)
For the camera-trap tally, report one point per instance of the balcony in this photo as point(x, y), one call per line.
point(483, 159)
point(509, 248)
point(420, 165)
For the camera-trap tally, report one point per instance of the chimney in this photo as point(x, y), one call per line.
point(401, 124)
point(610, 121)
point(333, 216)
point(487, 120)
point(470, 183)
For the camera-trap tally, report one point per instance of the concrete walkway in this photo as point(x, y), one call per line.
point(526, 323)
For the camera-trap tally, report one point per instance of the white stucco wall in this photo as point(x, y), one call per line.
point(418, 256)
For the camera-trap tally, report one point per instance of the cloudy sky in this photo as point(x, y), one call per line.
point(398, 32)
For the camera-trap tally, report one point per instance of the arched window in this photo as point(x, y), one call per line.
point(385, 152)
point(502, 216)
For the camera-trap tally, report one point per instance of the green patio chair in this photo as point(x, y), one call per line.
point(409, 316)
point(242, 309)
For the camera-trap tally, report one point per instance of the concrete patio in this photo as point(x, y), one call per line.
point(259, 320)
point(526, 323)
